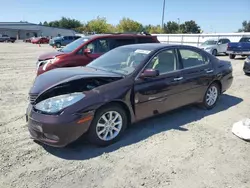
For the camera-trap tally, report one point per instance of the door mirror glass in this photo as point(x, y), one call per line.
point(149, 73)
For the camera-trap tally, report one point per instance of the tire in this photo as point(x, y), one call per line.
point(93, 136)
point(215, 89)
point(231, 56)
point(214, 52)
point(58, 45)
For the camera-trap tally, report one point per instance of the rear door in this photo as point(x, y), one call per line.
point(223, 45)
point(64, 40)
point(198, 73)
point(70, 39)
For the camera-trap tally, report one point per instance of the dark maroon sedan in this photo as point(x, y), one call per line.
point(123, 86)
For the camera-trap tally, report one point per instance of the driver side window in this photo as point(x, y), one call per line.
point(164, 62)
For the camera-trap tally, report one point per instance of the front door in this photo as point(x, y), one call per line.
point(197, 71)
point(97, 47)
point(159, 94)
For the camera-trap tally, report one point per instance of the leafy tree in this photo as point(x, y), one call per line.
point(128, 25)
point(69, 23)
point(153, 29)
point(45, 23)
point(171, 27)
point(54, 24)
point(245, 26)
point(190, 27)
point(40, 23)
point(98, 25)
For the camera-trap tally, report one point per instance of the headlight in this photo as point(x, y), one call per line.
point(208, 48)
point(50, 61)
point(58, 103)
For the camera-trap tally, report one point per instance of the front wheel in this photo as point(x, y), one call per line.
point(214, 52)
point(211, 96)
point(58, 45)
point(108, 125)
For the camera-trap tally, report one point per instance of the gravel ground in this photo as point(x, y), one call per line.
point(189, 147)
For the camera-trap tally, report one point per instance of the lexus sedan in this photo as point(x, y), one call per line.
point(125, 85)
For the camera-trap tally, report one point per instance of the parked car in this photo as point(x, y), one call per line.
point(215, 46)
point(6, 38)
point(239, 48)
point(62, 41)
point(28, 40)
point(246, 67)
point(123, 86)
point(85, 49)
point(40, 40)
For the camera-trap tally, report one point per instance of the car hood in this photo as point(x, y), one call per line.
point(58, 76)
point(49, 55)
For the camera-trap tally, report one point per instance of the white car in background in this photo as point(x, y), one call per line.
point(215, 46)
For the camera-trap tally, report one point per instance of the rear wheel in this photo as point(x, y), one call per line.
point(108, 125)
point(231, 56)
point(211, 96)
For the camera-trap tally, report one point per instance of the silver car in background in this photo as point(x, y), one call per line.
point(215, 46)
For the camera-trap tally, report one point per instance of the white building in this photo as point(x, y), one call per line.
point(22, 30)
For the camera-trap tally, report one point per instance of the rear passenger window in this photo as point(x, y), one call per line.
point(124, 41)
point(192, 58)
point(145, 40)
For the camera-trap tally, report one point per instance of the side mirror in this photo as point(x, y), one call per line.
point(149, 73)
point(219, 43)
point(87, 51)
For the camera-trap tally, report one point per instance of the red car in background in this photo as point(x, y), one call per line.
point(85, 49)
point(40, 40)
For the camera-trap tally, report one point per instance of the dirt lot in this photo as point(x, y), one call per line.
point(186, 148)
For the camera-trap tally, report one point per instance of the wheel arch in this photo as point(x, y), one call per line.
point(123, 105)
point(218, 82)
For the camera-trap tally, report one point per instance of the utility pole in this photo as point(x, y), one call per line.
point(163, 12)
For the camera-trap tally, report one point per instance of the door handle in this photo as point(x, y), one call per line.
point(209, 71)
point(178, 79)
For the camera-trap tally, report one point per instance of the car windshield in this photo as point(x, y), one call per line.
point(120, 60)
point(74, 45)
point(245, 39)
point(209, 42)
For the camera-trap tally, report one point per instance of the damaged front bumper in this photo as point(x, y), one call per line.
point(57, 130)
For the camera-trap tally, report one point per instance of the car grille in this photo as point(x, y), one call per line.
point(32, 98)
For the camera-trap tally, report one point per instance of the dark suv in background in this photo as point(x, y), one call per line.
point(85, 49)
point(62, 41)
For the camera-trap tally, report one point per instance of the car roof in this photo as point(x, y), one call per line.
point(152, 46)
point(118, 35)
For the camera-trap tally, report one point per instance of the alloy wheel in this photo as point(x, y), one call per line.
point(212, 95)
point(109, 125)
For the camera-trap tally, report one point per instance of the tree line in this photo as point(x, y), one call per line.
point(101, 25)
